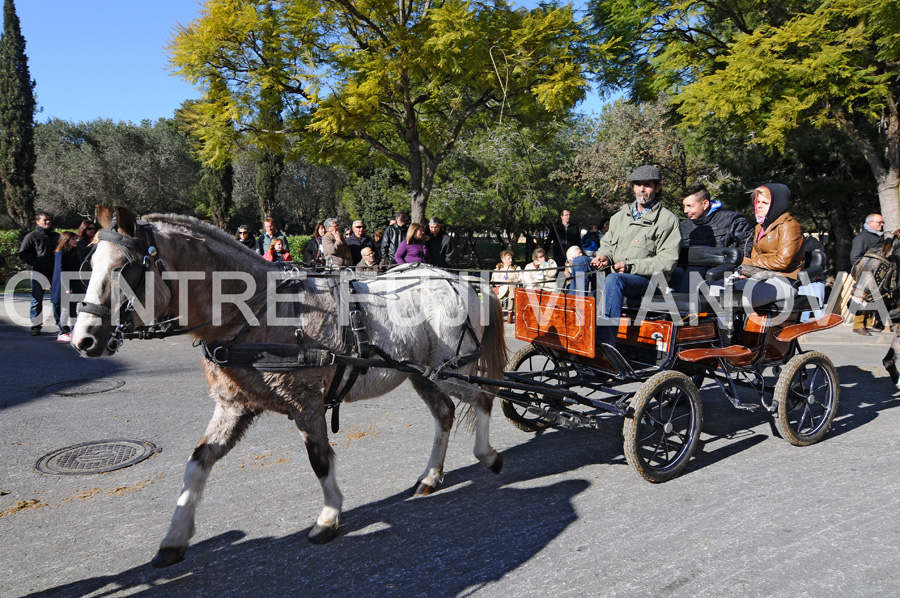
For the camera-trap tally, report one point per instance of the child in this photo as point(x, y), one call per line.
point(276, 252)
point(67, 259)
point(506, 276)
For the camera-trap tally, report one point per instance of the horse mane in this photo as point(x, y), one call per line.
point(192, 227)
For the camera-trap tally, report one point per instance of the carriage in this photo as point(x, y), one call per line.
point(565, 378)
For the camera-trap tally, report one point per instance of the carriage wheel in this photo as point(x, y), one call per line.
point(529, 359)
point(807, 395)
point(662, 435)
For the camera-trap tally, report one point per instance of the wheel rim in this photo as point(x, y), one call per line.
point(535, 366)
point(809, 400)
point(665, 429)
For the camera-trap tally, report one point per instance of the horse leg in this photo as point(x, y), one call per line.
point(228, 424)
point(484, 452)
point(311, 423)
point(442, 410)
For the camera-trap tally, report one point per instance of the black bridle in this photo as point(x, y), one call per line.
point(141, 255)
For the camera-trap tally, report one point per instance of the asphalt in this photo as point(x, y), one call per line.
point(751, 516)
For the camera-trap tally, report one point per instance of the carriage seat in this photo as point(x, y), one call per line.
point(718, 260)
point(814, 264)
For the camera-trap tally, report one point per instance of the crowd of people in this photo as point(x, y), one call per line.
point(641, 239)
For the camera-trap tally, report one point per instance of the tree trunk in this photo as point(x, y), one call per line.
point(840, 235)
point(889, 198)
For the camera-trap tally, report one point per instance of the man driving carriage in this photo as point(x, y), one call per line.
point(643, 239)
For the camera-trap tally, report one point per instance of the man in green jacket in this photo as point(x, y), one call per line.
point(643, 239)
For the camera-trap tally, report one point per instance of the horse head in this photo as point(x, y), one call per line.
point(125, 289)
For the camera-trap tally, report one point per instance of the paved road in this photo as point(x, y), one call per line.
point(752, 515)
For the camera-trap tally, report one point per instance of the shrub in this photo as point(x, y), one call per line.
point(9, 249)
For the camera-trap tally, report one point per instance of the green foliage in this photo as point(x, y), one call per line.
point(219, 183)
point(297, 244)
point(403, 80)
point(17, 105)
point(10, 240)
point(374, 196)
point(148, 167)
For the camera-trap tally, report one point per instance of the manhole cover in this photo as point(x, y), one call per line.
point(77, 388)
point(96, 457)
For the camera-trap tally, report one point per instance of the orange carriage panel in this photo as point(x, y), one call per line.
point(560, 320)
point(643, 334)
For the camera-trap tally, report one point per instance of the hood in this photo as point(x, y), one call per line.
point(781, 203)
point(714, 206)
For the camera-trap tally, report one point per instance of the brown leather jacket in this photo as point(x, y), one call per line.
point(780, 249)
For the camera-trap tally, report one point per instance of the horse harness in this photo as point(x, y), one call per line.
point(285, 357)
point(884, 277)
point(142, 255)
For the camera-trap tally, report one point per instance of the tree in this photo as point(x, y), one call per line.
point(149, 167)
point(767, 69)
point(17, 105)
point(219, 183)
point(403, 79)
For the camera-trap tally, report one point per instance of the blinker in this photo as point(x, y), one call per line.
point(151, 251)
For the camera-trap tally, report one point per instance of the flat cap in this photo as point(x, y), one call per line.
point(645, 173)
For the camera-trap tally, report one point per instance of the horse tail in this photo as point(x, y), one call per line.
point(492, 362)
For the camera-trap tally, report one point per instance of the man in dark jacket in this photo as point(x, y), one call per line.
point(440, 244)
point(868, 237)
point(357, 240)
point(37, 250)
point(707, 225)
point(562, 235)
point(394, 234)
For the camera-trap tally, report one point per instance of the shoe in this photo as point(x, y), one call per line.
point(876, 328)
point(35, 331)
point(65, 337)
point(862, 331)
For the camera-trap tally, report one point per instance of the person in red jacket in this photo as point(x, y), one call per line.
point(276, 252)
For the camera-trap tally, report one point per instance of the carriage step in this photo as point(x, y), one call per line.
point(694, 355)
point(789, 333)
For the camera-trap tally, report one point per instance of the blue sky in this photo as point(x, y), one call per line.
point(107, 59)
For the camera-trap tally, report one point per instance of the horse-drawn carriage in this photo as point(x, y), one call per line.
point(565, 378)
point(298, 343)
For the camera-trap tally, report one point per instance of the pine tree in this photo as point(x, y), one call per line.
point(17, 105)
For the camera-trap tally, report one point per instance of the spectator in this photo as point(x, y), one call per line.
point(246, 239)
point(604, 227)
point(314, 252)
point(590, 241)
point(413, 249)
point(86, 232)
point(334, 247)
point(271, 232)
point(394, 234)
point(37, 250)
point(277, 252)
point(358, 240)
point(377, 237)
point(579, 271)
point(367, 262)
point(871, 234)
point(440, 245)
point(66, 266)
point(540, 273)
point(505, 278)
point(562, 235)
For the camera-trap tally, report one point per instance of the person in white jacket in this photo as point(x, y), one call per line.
point(504, 280)
point(540, 273)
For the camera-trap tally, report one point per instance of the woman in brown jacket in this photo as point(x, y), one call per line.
point(777, 251)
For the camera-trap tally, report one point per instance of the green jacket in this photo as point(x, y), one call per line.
point(648, 244)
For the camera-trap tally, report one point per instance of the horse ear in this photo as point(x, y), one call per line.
point(104, 215)
point(126, 221)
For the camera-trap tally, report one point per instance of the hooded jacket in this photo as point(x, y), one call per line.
point(716, 228)
point(778, 241)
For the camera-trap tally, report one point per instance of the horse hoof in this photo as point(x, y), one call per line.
point(166, 557)
point(424, 489)
point(322, 534)
point(497, 465)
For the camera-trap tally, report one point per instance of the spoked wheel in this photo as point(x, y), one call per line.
point(540, 368)
point(807, 395)
point(662, 435)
